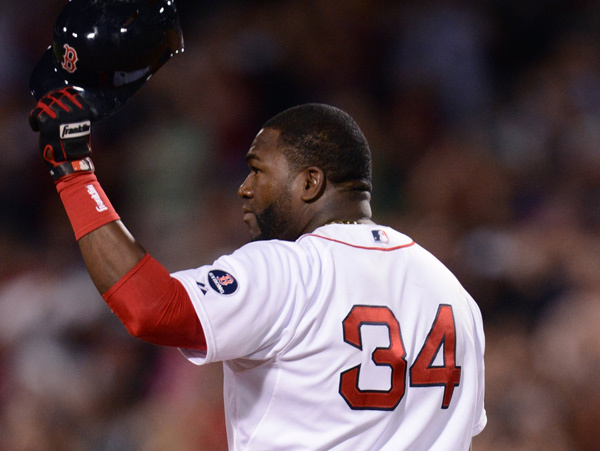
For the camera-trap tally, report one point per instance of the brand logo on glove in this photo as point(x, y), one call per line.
point(75, 130)
point(70, 58)
point(82, 165)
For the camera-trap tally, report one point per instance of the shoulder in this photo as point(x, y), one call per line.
point(256, 263)
point(269, 249)
point(269, 257)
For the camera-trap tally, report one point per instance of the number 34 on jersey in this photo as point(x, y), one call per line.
point(422, 373)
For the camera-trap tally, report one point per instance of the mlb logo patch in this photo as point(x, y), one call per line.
point(380, 236)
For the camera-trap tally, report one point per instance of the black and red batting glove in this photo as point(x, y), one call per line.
point(63, 119)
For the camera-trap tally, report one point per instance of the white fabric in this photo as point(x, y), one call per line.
point(280, 335)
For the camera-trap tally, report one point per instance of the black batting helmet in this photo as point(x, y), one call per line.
point(110, 48)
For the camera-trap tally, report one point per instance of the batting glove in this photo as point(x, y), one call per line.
point(63, 119)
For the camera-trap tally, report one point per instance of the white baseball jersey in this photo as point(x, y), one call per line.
point(351, 338)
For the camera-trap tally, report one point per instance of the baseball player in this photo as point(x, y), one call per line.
point(335, 332)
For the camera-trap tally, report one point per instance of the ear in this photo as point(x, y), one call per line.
point(313, 184)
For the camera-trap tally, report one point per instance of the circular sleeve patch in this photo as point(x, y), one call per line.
point(222, 282)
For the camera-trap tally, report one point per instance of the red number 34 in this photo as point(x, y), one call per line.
point(422, 373)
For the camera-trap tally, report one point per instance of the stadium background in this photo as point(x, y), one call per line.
point(484, 122)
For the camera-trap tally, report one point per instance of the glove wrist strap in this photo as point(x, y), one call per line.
point(69, 167)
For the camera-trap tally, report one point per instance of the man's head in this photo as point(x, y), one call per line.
point(326, 137)
point(308, 165)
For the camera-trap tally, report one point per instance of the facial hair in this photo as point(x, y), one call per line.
point(274, 221)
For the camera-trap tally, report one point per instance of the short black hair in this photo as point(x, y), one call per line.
point(316, 134)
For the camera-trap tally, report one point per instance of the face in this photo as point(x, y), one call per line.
point(267, 190)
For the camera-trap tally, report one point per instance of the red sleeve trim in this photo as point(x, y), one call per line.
point(156, 307)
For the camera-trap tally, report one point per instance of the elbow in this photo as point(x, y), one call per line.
point(141, 329)
point(155, 307)
point(135, 329)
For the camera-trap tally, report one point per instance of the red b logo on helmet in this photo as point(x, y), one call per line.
point(69, 59)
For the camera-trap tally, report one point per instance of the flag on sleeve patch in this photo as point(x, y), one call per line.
point(222, 282)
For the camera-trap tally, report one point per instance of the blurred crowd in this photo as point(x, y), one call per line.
point(484, 124)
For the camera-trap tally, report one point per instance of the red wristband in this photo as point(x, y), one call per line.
point(86, 203)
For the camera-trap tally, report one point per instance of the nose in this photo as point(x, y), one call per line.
point(245, 190)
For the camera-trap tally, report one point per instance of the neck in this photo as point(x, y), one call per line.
point(344, 213)
point(337, 205)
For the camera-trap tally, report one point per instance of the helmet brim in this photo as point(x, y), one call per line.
point(47, 76)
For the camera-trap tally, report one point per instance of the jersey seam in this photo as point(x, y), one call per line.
point(402, 246)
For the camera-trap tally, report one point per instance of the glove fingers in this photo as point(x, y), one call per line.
point(72, 94)
point(51, 104)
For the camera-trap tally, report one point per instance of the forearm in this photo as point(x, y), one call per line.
point(109, 253)
point(108, 249)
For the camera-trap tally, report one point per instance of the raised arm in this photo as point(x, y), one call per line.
point(151, 304)
point(108, 249)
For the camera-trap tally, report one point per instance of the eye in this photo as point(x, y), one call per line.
point(254, 170)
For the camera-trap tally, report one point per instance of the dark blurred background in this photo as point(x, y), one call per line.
point(484, 123)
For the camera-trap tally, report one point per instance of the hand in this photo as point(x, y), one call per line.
point(63, 119)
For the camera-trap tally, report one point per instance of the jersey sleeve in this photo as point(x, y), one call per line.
point(245, 301)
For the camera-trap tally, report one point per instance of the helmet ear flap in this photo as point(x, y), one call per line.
point(108, 48)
